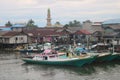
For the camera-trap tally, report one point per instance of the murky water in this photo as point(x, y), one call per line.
point(13, 68)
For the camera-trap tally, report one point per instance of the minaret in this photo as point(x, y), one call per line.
point(48, 19)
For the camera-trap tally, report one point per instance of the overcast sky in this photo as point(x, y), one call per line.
point(61, 10)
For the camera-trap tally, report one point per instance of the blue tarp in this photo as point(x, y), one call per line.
point(5, 29)
point(79, 50)
point(19, 25)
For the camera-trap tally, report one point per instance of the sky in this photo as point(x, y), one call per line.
point(20, 11)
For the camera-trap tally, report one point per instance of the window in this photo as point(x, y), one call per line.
point(16, 39)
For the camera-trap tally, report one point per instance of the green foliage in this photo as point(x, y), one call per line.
point(58, 23)
point(30, 24)
point(73, 23)
point(8, 23)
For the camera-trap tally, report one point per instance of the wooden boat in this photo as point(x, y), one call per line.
point(102, 57)
point(55, 59)
point(105, 56)
point(31, 55)
point(113, 56)
point(31, 49)
point(118, 57)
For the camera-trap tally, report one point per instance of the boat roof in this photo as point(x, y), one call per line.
point(47, 51)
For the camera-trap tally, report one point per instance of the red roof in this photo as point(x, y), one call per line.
point(82, 32)
point(41, 32)
point(11, 33)
point(46, 32)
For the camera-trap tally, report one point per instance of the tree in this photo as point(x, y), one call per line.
point(77, 23)
point(8, 24)
point(58, 23)
point(66, 25)
point(30, 24)
point(73, 23)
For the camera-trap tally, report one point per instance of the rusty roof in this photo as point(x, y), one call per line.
point(83, 31)
point(11, 33)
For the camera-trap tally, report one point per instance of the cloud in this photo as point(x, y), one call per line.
point(63, 10)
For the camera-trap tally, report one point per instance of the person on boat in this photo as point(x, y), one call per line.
point(67, 54)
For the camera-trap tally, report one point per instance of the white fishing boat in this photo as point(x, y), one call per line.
point(53, 58)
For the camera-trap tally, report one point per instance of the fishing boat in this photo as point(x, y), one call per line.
point(106, 57)
point(35, 48)
point(105, 53)
point(102, 57)
point(118, 57)
point(113, 56)
point(31, 49)
point(56, 59)
point(83, 51)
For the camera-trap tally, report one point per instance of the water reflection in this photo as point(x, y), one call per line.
point(78, 70)
point(9, 55)
point(106, 65)
point(13, 68)
point(85, 70)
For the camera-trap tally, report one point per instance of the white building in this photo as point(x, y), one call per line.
point(13, 37)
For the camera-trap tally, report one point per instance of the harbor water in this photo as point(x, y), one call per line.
point(13, 68)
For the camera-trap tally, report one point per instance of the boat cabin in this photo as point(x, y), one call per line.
point(45, 57)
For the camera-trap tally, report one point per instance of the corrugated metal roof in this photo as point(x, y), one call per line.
point(83, 32)
point(3, 32)
point(112, 21)
point(19, 25)
point(12, 33)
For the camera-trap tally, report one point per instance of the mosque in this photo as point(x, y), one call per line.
point(49, 24)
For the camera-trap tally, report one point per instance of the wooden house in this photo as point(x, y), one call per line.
point(11, 38)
